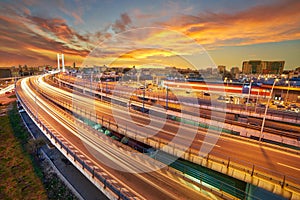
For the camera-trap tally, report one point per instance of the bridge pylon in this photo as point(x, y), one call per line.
point(61, 56)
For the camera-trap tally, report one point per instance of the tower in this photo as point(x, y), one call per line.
point(62, 62)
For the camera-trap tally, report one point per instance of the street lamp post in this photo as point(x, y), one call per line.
point(249, 93)
point(167, 94)
point(266, 110)
point(106, 90)
point(226, 87)
point(287, 92)
point(256, 101)
point(91, 84)
point(226, 81)
point(144, 90)
point(101, 89)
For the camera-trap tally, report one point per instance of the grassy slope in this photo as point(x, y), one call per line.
point(18, 178)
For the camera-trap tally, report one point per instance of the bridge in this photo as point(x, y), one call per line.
point(79, 126)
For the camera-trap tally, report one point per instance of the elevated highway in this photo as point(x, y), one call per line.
point(257, 159)
point(88, 150)
point(276, 127)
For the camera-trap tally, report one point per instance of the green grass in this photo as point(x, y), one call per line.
point(19, 176)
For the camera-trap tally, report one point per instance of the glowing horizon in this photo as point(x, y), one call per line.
point(231, 32)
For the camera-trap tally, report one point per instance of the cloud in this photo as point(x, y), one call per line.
point(23, 31)
point(258, 24)
point(76, 12)
point(24, 37)
point(122, 24)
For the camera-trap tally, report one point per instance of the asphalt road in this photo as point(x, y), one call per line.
point(155, 185)
point(275, 162)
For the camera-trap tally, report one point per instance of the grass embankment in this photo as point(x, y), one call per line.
point(23, 175)
point(19, 179)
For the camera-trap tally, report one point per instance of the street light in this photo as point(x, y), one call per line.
point(144, 90)
point(226, 81)
point(257, 95)
point(250, 86)
point(167, 97)
point(287, 92)
point(106, 89)
point(256, 101)
point(91, 85)
point(101, 89)
point(266, 110)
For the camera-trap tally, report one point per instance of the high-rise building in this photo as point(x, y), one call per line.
point(235, 71)
point(5, 72)
point(262, 67)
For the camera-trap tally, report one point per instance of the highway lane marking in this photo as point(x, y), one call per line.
point(224, 138)
point(215, 145)
point(295, 168)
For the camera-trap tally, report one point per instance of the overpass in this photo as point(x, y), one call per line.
point(256, 170)
point(78, 142)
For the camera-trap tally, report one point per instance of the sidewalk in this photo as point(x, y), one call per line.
point(77, 180)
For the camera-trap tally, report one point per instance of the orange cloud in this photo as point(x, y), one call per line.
point(260, 24)
point(36, 40)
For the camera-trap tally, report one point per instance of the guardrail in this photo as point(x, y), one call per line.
point(93, 173)
point(288, 186)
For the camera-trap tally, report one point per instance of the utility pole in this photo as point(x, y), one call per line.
point(144, 90)
point(287, 92)
point(167, 94)
point(249, 93)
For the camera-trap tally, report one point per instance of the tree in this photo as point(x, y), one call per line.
point(20, 70)
point(25, 68)
point(35, 145)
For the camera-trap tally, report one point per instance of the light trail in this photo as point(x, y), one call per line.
point(100, 146)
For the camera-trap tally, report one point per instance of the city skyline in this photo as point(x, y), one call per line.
point(230, 31)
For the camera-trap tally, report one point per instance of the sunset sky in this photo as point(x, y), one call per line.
point(170, 33)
